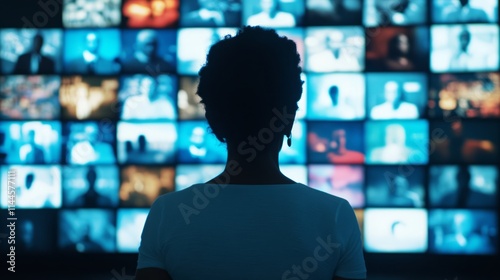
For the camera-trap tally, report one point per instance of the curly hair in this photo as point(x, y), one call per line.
point(244, 78)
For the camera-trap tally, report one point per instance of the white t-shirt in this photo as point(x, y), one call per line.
point(209, 231)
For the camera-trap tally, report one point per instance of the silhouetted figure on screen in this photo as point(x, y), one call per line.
point(143, 143)
point(92, 198)
point(249, 86)
point(30, 177)
point(32, 152)
point(464, 196)
point(34, 62)
point(145, 58)
point(341, 107)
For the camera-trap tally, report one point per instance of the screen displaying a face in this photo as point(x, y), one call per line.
point(396, 96)
point(465, 11)
point(335, 49)
point(397, 142)
point(464, 48)
point(336, 96)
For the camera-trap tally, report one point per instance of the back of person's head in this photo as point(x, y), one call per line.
point(246, 80)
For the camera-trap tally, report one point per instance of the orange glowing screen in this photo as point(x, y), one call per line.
point(151, 13)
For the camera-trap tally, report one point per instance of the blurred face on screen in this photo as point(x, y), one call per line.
point(208, 4)
point(31, 136)
point(147, 42)
point(268, 6)
point(92, 42)
point(158, 7)
point(37, 43)
point(395, 135)
point(391, 92)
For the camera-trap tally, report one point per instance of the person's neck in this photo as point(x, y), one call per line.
point(273, 13)
point(245, 169)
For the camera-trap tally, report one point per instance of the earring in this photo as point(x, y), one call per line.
point(289, 140)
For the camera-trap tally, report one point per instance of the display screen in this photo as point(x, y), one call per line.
point(400, 115)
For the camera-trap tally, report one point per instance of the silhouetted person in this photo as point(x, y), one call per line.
point(92, 198)
point(464, 196)
point(29, 180)
point(143, 143)
point(32, 152)
point(128, 146)
point(250, 86)
point(333, 92)
point(34, 62)
point(145, 58)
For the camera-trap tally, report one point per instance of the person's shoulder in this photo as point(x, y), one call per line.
point(319, 197)
point(176, 196)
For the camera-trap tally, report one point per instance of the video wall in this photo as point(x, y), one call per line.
point(400, 116)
